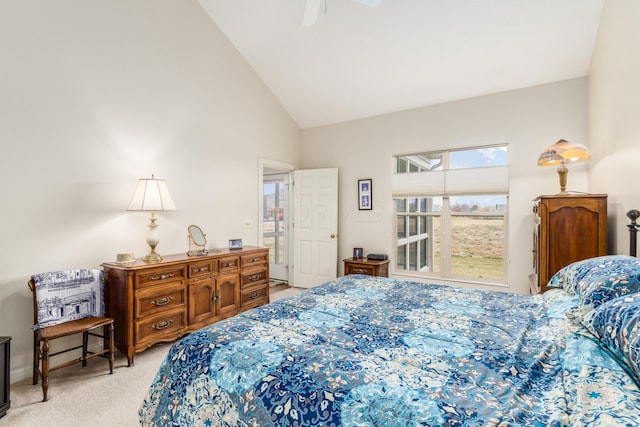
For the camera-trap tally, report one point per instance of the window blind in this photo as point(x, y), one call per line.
point(451, 182)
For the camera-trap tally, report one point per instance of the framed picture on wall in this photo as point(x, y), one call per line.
point(365, 192)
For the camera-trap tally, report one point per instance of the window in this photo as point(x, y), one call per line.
point(450, 213)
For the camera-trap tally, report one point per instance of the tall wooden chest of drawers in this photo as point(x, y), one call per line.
point(568, 228)
point(160, 302)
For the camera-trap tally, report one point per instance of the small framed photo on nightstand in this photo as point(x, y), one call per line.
point(357, 253)
point(235, 244)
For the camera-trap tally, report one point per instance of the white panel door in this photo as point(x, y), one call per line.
point(315, 226)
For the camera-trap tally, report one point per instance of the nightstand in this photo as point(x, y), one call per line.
point(567, 228)
point(371, 267)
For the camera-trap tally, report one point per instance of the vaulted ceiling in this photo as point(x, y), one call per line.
point(358, 61)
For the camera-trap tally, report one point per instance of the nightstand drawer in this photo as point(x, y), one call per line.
point(360, 269)
point(160, 298)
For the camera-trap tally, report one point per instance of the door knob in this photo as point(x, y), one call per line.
point(333, 236)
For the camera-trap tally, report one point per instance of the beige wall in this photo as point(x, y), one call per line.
point(614, 115)
point(529, 120)
point(96, 94)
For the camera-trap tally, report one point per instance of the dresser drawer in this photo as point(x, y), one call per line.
point(254, 296)
point(252, 278)
point(165, 323)
point(159, 276)
point(206, 268)
point(229, 264)
point(256, 259)
point(159, 298)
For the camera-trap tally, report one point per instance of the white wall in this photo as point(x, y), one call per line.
point(614, 115)
point(528, 119)
point(96, 94)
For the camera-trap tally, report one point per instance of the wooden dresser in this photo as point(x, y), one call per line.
point(160, 302)
point(371, 267)
point(567, 228)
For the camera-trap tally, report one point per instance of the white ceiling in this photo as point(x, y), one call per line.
point(359, 61)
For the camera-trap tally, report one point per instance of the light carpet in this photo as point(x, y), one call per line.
point(89, 396)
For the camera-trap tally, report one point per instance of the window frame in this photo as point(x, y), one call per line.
point(443, 271)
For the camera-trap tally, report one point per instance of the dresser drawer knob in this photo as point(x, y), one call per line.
point(256, 295)
point(162, 325)
point(254, 277)
point(360, 270)
point(161, 301)
point(200, 270)
point(162, 276)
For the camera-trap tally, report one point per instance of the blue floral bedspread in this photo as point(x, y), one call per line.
point(368, 351)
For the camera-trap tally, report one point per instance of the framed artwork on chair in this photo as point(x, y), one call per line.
point(365, 193)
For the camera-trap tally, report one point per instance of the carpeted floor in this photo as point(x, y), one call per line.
point(81, 397)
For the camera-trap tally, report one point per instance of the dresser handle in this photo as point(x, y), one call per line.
point(229, 264)
point(254, 260)
point(255, 295)
point(161, 301)
point(254, 277)
point(162, 325)
point(200, 270)
point(360, 270)
point(162, 276)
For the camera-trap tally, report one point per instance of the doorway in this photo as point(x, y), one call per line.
point(274, 223)
point(275, 220)
point(304, 255)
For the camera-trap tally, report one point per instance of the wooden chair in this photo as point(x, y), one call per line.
point(43, 334)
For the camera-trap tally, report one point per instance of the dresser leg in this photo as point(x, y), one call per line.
point(130, 352)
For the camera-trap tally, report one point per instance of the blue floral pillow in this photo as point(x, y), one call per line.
point(567, 277)
point(571, 277)
point(610, 278)
point(616, 324)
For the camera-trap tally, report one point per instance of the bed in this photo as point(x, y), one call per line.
point(371, 351)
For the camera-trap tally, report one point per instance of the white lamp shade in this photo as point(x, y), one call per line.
point(151, 195)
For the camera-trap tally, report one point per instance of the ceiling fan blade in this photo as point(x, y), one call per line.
point(370, 3)
point(311, 11)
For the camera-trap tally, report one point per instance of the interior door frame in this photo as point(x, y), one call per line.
point(264, 164)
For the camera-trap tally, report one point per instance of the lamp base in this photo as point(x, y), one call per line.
point(562, 176)
point(152, 241)
point(152, 257)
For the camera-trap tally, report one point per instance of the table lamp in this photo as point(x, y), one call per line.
point(152, 195)
point(561, 153)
